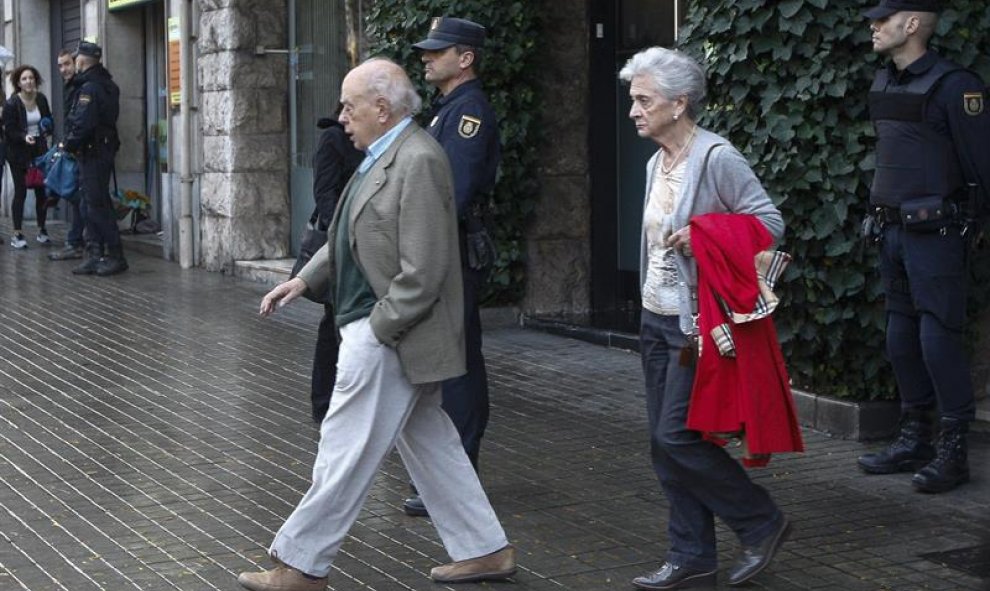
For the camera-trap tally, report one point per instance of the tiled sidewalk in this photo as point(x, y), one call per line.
point(154, 434)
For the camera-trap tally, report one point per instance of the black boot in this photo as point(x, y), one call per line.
point(950, 468)
point(910, 451)
point(93, 254)
point(113, 263)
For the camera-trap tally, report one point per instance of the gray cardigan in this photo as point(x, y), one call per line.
point(726, 184)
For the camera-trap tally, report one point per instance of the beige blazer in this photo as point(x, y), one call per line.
point(403, 236)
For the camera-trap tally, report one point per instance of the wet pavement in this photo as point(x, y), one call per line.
point(154, 433)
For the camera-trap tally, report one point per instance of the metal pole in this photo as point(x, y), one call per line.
point(186, 152)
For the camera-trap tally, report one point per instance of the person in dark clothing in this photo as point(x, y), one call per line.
point(27, 120)
point(464, 124)
point(334, 162)
point(74, 238)
point(91, 134)
point(932, 154)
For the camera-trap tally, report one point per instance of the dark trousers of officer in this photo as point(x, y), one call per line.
point(95, 167)
point(924, 280)
point(77, 213)
point(465, 398)
point(700, 479)
point(324, 364)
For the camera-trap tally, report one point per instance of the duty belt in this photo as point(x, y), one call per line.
point(887, 216)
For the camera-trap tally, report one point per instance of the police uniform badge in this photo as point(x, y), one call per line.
point(468, 127)
point(973, 103)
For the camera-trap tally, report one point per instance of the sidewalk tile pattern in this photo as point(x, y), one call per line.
point(154, 434)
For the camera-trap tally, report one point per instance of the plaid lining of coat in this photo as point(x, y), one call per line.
point(770, 264)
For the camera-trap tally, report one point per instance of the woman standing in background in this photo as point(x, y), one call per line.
point(27, 119)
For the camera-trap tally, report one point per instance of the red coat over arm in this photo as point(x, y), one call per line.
point(750, 392)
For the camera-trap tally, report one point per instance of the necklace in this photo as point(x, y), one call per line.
point(673, 163)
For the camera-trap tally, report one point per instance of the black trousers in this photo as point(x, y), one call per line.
point(95, 167)
point(324, 364)
point(924, 279)
point(465, 398)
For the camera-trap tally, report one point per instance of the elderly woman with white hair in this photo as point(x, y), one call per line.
point(694, 172)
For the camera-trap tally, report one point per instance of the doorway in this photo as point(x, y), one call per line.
point(618, 156)
point(317, 64)
point(156, 107)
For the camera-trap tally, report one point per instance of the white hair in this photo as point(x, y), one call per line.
point(394, 85)
point(673, 73)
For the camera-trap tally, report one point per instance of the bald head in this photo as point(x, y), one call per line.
point(386, 79)
point(375, 97)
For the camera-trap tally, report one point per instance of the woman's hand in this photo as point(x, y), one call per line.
point(681, 241)
point(29, 139)
point(282, 295)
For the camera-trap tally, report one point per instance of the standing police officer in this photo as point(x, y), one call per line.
point(932, 171)
point(463, 122)
point(91, 134)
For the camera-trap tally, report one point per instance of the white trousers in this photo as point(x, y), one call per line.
point(373, 408)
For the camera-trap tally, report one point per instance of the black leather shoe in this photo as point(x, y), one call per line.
point(754, 559)
point(671, 576)
point(414, 506)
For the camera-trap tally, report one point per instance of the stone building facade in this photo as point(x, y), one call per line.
point(244, 182)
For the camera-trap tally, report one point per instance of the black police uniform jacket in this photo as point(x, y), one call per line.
point(69, 95)
point(19, 152)
point(92, 123)
point(463, 122)
point(933, 131)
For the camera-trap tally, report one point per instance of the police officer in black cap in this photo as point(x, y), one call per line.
point(91, 134)
point(932, 175)
point(463, 122)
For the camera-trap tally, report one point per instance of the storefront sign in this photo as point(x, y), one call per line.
point(121, 4)
point(174, 71)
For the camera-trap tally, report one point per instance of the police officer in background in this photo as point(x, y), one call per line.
point(463, 122)
point(932, 173)
point(91, 134)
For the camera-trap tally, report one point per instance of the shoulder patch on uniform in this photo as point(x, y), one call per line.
point(973, 103)
point(469, 126)
point(84, 99)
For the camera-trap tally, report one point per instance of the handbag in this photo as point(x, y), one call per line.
point(34, 178)
point(61, 174)
point(313, 239)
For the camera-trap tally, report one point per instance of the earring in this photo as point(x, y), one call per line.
point(676, 116)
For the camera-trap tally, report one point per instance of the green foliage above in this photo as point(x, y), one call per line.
point(788, 83)
point(509, 74)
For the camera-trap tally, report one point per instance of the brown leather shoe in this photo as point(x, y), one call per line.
point(493, 567)
point(281, 578)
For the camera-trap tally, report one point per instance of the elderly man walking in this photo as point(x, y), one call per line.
point(392, 266)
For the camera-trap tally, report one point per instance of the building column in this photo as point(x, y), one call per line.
point(244, 190)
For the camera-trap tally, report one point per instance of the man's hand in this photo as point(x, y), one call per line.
point(681, 241)
point(282, 295)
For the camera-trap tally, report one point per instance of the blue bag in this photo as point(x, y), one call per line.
point(61, 173)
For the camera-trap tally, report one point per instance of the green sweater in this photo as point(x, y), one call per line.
point(353, 296)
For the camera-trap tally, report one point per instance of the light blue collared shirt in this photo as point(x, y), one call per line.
point(378, 147)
